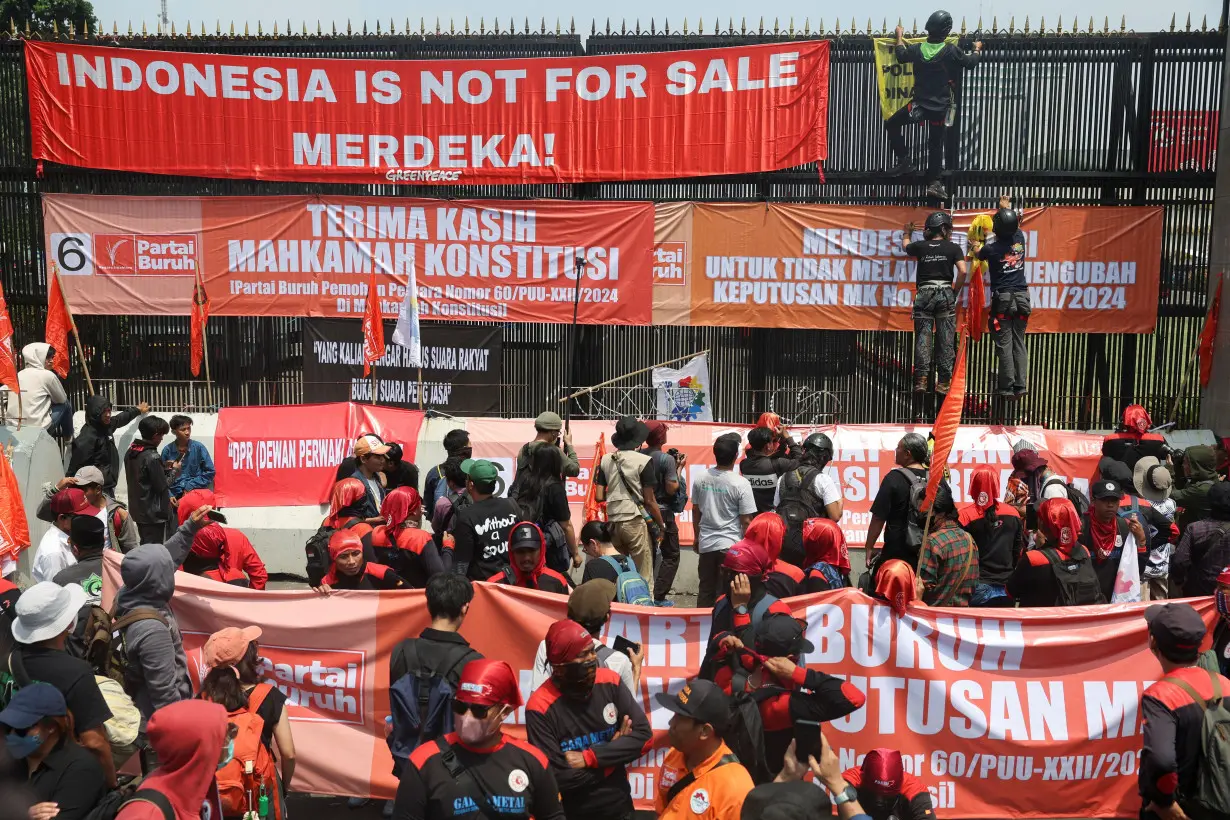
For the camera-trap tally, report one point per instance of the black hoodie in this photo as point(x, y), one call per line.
point(149, 496)
point(95, 446)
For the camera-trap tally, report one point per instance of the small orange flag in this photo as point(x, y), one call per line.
point(200, 318)
point(976, 315)
point(373, 328)
point(14, 532)
point(8, 357)
point(59, 322)
point(945, 430)
point(595, 510)
point(1208, 336)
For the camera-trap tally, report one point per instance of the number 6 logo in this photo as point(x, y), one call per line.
point(71, 253)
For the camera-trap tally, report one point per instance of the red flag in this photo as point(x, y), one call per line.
point(14, 532)
point(8, 358)
point(595, 510)
point(1208, 336)
point(200, 318)
point(373, 328)
point(59, 322)
point(945, 430)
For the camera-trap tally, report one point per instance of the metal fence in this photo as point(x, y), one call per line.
point(1066, 116)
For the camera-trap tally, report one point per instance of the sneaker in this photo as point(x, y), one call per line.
point(920, 384)
point(936, 191)
point(943, 387)
point(664, 602)
point(900, 167)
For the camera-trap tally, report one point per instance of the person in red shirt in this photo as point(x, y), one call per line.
point(999, 534)
point(351, 569)
point(886, 790)
point(769, 530)
point(828, 559)
point(528, 567)
point(400, 543)
point(220, 553)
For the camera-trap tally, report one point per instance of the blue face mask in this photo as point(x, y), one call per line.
point(22, 747)
point(230, 754)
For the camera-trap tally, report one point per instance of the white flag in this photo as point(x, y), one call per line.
point(683, 394)
point(1127, 578)
point(407, 333)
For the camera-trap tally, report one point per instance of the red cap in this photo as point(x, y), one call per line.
point(1059, 521)
point(194, 500)
point(344, 541)
point(566, 641)
point(883, 772)
point(72, 501)
point(488, 683)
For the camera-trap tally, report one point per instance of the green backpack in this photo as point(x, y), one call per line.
point(1212, 791)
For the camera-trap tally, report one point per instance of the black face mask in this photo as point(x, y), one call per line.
point(576, 680)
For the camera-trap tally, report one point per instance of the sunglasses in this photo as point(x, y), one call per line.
point(479, 712)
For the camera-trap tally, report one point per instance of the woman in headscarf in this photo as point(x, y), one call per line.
point(350, 569)
point(220, 553)
point(897, 584)
point(746, 602)
point(828, 559)
point(997, 531)
point(1133, 441)
point(769, 531)
point(345, 503)
point(402, 544)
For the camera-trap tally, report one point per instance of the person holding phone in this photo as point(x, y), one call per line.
point(590, 606)
point(549, 430)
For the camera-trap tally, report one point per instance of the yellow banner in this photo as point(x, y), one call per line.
point(895, 80)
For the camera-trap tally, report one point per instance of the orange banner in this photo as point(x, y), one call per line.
point(842, 267)
point(1001, 713)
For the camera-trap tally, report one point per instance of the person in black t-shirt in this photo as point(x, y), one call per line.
point(937, 66)
point(1004, 252)
point(481, 529)
point(935, 303)
point(596, 541)
point(890, 512)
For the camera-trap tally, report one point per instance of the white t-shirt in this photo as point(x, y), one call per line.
point(102, 516)
point(53, 554)
point(721, 496)
point(824, 487)
point(617, 662)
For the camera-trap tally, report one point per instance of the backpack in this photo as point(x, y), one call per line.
point(916, 519)
point(12, 677)
point(555, 547)
point(251, 776)
point(1079, 500)
point(1075, 579)
point(317, 550)
point(104, 639)
point(1213, 775)
point(797, 503)
point(830, 574)
point(630, 587)
point(125, 721)
point(744, 732)
point(677, 503)
point(757, 612)
point(421, 701)
point(109, 807)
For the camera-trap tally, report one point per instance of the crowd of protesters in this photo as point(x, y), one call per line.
point(85, 691)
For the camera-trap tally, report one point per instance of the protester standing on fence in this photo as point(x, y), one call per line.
point(935, 301)
point(43, 400)
point(625, 481)
point(1004, 252)
point(722, 508)
point(94, 445)
point(770, 455)
point(669, 467)
point(149, 491)
point(937, 67)
point(187, 459)
point(482, 527)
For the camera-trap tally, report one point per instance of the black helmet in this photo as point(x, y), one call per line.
point(1005, 223)
point(820, 444)
point(939, 25)
point(937, 222)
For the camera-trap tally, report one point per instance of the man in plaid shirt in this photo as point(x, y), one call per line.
point(949, 566)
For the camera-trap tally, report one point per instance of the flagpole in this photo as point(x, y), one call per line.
point(72, 323)
point(374, 383)
point(420, 387)
point(572, 334)
point(209, 387)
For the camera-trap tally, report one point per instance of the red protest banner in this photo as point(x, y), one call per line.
point(645, 116)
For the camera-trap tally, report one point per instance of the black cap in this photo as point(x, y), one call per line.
point(795, 800)
point(1106, 489)
point(525, 536)
point(86, 532)
point(780, 635)
point(1178, 630)
point(701, 700)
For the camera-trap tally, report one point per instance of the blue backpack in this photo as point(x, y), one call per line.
point(830, 574)
point(421, 701)
point(630, 587)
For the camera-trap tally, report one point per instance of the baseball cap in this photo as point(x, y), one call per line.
point(88, 475)
point(226, 647)
point(86, 532)
point(480, 470)
point(1178, 630)
point(370, 444)
point(1106, 489)
point(590, 603)
point(796, 800)
point(71, 501)
point(700, 700)
point(780, 635)
point(486, 682)
point(32, 703)
point(549, 421)
point(525, 536)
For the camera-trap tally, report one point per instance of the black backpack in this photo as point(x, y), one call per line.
point(113, 801)
point(421, 701)
point(744, 732)
point(317, 550)
point(559, 557)
point(1075, 579)
point(798, 502)
point(1079, 500)
point(916, 520)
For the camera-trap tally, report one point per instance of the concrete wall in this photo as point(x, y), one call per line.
point(1215, 399)
point(36, 460)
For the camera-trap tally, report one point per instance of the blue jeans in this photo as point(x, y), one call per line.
point(990, 595)
point(61, 421)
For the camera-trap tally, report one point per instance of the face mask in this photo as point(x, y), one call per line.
point(470, 729)
point(1222, 597)
point(230, 754)
point(22, 747)
point(576, 680)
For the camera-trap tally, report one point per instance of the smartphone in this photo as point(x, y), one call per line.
point(806, 740)
point(214, 515)
point(626, 646)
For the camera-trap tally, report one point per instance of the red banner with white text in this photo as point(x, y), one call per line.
point(577, 119)
point(1001, 713)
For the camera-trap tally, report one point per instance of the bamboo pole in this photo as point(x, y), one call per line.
point(420, 369)
point(72, 322)
point(209, 387)
point(375, 384)
point(585, 390)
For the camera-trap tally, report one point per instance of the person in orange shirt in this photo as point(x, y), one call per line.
point(700, 777)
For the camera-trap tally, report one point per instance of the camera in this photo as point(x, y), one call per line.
point(674, 451)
